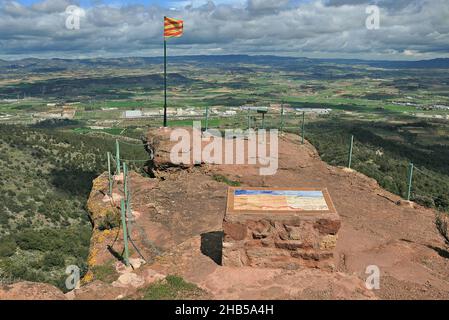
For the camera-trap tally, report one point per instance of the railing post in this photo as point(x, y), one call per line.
point(282, 118)
point(128, 212)
point(117, 155)
point(249, 120)
point(127, 193)
point(207, 118)
point(303, 126)
point(410, 179)
point(125, 182)
point(125, 231)
point(351, 145)
point(109, 174)
point(263, 120)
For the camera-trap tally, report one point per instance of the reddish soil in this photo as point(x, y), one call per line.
point(30, 291)
point(378, 228)
point(178, 224)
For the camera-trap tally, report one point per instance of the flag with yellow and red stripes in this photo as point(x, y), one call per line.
point(173, 27)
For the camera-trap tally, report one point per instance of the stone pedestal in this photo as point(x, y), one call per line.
point(288, 238)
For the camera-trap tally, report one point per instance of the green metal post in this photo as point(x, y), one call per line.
point(207, 118)
point(410, 179)
point(128, 199)
point(125, 182)
point(125, 231)
point(127, 195)
point(109, 174)
point(263, 120)
point(351, 145)
point(117, 156)
point(303, 126)
point(282, 117)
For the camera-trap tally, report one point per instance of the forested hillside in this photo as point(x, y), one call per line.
point(384, 151)
point(45, 181)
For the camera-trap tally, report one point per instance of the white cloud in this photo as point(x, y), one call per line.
point(262, 5)
point(51, 6)
point(314, 28)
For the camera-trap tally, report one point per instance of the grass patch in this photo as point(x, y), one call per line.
point(172, 288)
point(229, 182)
point(212, 123)
point(110, 221)
point(105, 273)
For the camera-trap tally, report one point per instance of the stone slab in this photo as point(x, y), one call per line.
point(280, 228)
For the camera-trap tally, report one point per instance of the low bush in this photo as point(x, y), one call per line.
point(110, 221)
point(7, 247)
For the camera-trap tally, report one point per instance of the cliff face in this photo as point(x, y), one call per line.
point(177, 228)
point(100, 207)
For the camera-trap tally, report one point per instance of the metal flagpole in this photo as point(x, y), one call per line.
point(172, 28)
point(165, 81)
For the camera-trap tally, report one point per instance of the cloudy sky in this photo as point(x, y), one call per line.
point(408, 29)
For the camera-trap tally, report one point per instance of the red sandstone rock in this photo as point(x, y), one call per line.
point(30, 291)
point(288, 240)
point(235, 231)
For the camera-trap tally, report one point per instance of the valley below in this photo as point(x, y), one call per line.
point(59, 118)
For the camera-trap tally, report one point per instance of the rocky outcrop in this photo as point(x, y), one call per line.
point(160, 146)
point(30, 291)
point(178, 228)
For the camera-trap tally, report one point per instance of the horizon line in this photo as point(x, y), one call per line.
point(223, 55)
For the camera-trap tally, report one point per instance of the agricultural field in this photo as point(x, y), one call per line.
point(59, 118)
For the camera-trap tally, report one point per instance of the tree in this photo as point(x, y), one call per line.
point(7, 247)
point(53, 259)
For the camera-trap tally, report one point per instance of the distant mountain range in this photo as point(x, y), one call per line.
point(441, 63)
point(54, 65)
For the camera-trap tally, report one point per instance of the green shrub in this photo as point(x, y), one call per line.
point(171, 288)
point(424, 201)
point(221, 178)
point(105, 273)
point(110, 221)
point(7, 247)
point(4, 218)
point(52, 259)
point(442, 202)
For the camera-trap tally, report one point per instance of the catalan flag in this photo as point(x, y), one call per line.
point(173, 27)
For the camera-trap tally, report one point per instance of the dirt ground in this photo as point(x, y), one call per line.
point(378, 228)
point(182, 216)
point(177, 227)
